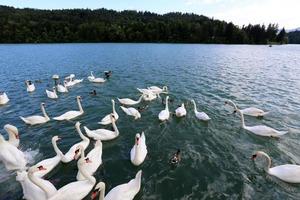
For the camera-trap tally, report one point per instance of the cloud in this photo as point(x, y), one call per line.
point(193, 2)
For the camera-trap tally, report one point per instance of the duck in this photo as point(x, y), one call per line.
point(200, 115)
point(176, 158)
point(75, 190)
point(180, 111)
point(107, 119)
point(95, 155)
point(52, 95)
point(74, 151)
point(30, 86)
point(139, 151)
point(50, 163)
point(11, 156)
point(252, 111)
point(157, 90)
point(164, 114)
point(130, 102)
point(93, 93)
point(107, 73)
point(261, 130)
point(132, 112)
point(126, 191)
point(71, 114)
point(3, 98)
point(36, 119)
point(13, 134)
point(288, 173)
point(104, 134)
point(62, 88)
point(93, 79)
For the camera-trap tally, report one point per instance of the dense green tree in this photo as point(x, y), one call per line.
point(102, 25)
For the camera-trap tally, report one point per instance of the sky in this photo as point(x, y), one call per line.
point(284, 12)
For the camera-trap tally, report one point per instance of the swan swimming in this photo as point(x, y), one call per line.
point(288, 172)
point(36, 119)
point(252, 111)
point(93, 79)
point(157, 90)
point(180, 111)
point(132, 112)
point(62, 88)
point(130, 102)
point(30, 86)
point(107, 119)
point(126, 191)
point(52, 94)
point(95, 155)
point(71, 114)
point(104, 134)
point(3, 98)
point(164, 114)
point(200, 115)
point(139, 151)
point(13, 134)
point(261, 130)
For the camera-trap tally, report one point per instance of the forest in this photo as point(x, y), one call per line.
point(103, 25)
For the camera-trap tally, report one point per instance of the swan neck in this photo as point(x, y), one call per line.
point(86, 175)
point(11, 137)
point(242, 119)
point(115, 127)
point(137, 151)
point(235, 107)
point(269, 160)
point(195, 107)
point(44, 112)
point(113, 107)
point(167, 105)
point(79, 105)
point(37, 182)
point(140, 99)
point(83, 137)
point(56, 149)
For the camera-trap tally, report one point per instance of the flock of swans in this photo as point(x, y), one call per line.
point(35, 187)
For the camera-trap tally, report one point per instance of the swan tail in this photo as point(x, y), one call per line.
point(25, 120)
point(60, 118)
point(282, 132)
point(265, 113)
point(137, 180)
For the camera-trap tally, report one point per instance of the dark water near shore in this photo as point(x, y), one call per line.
point(215, 155)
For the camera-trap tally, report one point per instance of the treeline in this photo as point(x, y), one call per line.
point(294, 37)
point(102, 25)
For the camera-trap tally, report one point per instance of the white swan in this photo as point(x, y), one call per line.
point(200, 115)
point(11, 156)
point(75, 190)
point(130, 102)
point(157, 90)
point(132, 112)
point(30, 86)
point(288, 172)
point(261, 130)
point(71, 114)
point(148, 95)
point(107, 119)
point(74, 151)
point(180, 111)
point(52, 94)
point(62, 88)
point(126, 191)
point(71, 81)
point(95, 156)
point(164, 114)
point(36, 119)
point(3, 98)
point(13, 134)
point(104, 134)
point(93, 79)
point(252, 111)
point(139, 151)
point(50, 163)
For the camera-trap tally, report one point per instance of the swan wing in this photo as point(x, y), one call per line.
point(202, 116)
point(75, 191)
point(49, 164)
point(68, 115)
point(265, 131)
point(36, 119)
point(164, 115)
point(180, 111)
point(12, 157)
point(252, 111)
point(289, 173)
point(126, 191)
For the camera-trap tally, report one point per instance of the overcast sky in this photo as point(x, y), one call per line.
point(284, 12)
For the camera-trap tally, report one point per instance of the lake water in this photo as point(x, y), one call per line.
point(216, 155)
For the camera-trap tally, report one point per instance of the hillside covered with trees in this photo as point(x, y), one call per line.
point(102, 25)
point(294, 37)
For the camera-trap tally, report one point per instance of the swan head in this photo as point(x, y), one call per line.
point(55, 138)
point(77, 152)
point(137, 138)
point(79, 98)
point(36, 168)
point(113, 101)
point(43, 104)
point(100, 186)
point(165, 88)
point(77, 125)
point(112, 116)
point(258, 153)
point(10, 129)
